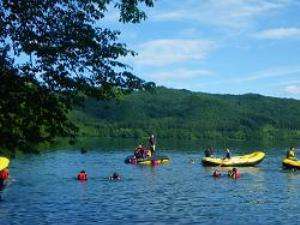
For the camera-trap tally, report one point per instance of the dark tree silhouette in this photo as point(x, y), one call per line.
point(52, 52)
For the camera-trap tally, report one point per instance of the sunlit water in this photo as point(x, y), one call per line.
point(42, 190)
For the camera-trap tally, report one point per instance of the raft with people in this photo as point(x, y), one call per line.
point(291, 162)
point(147, 155)
point(244, 160)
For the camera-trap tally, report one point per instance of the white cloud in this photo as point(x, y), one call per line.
point(180, 75)
point(270, 73)
point(163, 52)
point(235, 14)
point(292, 89)
point(279, 33)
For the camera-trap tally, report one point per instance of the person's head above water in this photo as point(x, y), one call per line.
point(115, 175)
point(234, 169)
point(82, 171)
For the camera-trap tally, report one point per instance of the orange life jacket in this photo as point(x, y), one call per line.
point(82, 176)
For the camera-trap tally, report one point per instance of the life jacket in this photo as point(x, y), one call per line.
point(237, 174)
point(139, 153)
point(82, 176)
point(4, 174)
point(290, 154)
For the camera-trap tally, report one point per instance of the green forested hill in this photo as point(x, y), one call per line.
point(187, 115)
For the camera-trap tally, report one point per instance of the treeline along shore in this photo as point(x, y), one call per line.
point(185, 115)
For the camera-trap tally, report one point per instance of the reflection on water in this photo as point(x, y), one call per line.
point(44, 191)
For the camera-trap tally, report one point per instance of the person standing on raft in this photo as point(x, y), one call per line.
point(152, 144)
point(291, 153)
point(227, 154)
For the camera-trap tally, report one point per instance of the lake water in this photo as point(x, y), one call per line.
point(42, 190)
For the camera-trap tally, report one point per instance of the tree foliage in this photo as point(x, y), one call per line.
point(185, 115)
point(53, 50)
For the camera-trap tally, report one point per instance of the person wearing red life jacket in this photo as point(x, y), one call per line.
point(82, 176)
point(234, 173)
point(4, 175)
point(139, 151)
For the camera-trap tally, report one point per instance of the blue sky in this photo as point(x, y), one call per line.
point(218, 46)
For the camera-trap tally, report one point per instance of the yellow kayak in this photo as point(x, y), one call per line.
point(4, 162)
point(291, 163)
point(245, 160)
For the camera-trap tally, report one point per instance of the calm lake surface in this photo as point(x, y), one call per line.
point(42, 190)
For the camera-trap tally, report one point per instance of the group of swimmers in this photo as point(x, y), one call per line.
point(140, 152)
point(234, 173)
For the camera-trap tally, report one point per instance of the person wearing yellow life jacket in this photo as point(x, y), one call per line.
point(82, 176)
point(291, 153)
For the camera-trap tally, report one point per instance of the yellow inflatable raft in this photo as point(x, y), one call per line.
point(158, 160)
point(291, 163)
point(245, 160)
point(147, 161)
point(4, 163)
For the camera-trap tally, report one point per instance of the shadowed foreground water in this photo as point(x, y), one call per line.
point(42, 190)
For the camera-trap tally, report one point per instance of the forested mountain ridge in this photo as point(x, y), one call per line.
point(187, 115)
